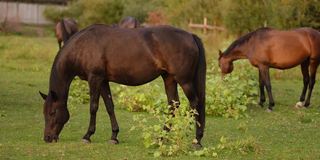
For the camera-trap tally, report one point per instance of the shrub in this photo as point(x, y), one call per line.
point(229, 97)
point(168, 143)
point(78, 94)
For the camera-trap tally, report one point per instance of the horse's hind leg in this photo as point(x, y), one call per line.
point(172, 94)
point(94, 86)
point(313, 71)
point(261, 87)
point(306, 79)
point(107, 98)
point(190, 92)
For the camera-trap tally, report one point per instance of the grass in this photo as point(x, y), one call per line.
point(25, 63)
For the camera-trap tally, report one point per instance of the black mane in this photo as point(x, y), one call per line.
point(245, 38)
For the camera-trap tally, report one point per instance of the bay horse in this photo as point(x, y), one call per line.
point(129, 22)
point(270, 48)
point(65, 29)
point(101, 54)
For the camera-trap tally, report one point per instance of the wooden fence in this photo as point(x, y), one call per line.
point(205, 26)
point(28, 13)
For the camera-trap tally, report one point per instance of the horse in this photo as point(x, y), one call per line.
point(267, 48)
point(129, 22)
point(64, 29)
point(101, 54)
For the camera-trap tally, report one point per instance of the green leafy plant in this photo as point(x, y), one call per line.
point(230, 96)
point(78, 94)
point(168, 143)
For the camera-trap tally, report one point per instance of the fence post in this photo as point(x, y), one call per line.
point(205, 25)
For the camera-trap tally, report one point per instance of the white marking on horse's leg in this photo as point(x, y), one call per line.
point(299, 105)
point(269, 110)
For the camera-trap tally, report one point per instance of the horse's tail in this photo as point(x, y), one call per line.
point(200, 82)
point(65, 34)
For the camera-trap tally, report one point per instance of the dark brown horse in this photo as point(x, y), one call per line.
point(102, 54)
point(129, 22)
point(65, 29)
point(269, 48)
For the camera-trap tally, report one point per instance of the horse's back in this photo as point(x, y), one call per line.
point(284, 49)
point(140, 55)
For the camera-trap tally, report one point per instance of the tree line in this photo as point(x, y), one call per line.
point(238, 16)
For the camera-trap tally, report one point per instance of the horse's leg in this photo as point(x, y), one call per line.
point(266, 80)
point(172, 94)
point(190, 92)
point(306, 79)
point(313, 71)
point(59, 42)
point(107, 98)
point(94, 86)
point(261, 86)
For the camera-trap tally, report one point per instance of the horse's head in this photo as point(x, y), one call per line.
point(225, 64)
point(55, 115)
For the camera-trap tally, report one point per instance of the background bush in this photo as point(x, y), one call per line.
point(237, 16)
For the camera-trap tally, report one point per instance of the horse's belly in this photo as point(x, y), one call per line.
point(287, 62)
point(134, 79)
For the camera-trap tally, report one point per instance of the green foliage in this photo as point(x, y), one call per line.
point(134, 9)
point(141, 98)
point(53, 13)
point(168, 143)
point(230, 96)
point(78, 94)
point(89, 12)
point(241, 146)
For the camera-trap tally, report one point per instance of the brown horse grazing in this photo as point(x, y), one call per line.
point(129, 22)
point(65, 29)
point(102, 54)
point(269, 48)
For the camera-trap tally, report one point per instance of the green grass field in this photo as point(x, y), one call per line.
point(25, 62)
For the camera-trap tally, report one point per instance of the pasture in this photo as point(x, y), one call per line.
point(25, 63)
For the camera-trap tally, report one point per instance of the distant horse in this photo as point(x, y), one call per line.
point(102, 54)
point(269, 48)
point(65, 29)
point(129, 22)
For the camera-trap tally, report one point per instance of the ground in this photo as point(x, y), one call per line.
point(25, 62)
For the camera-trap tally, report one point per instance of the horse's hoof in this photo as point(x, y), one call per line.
point(196, 144)
point(261, 104)
point(113, 141)
point(299, 105)
point(87, 141)
point(269, 110)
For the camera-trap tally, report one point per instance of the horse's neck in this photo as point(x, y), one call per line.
point(242, 54)
point(60, 83)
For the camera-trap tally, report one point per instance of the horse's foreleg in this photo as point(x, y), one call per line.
point(313, 72)
point(59, 43)
point(94, 86)
point(266, 80)
point(172, 94)
point(306, 79)
point(190, 92)
point(107, 98)
point(261, 87)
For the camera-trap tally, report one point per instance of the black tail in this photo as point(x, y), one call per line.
point(200, 82)
point(65, 34)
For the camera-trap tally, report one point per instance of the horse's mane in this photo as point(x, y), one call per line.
point(245, 38)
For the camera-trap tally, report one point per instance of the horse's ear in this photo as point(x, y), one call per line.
point(44, 96)
point(53, 95)
point(220, 53)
